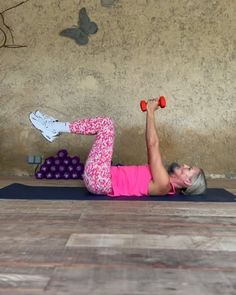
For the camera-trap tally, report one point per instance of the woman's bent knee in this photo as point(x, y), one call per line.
point(108, 121)
point(102, 187)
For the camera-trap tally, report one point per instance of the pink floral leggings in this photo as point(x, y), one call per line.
point(97, 171)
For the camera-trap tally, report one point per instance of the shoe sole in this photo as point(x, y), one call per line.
point(33, 121)
point(49, 138)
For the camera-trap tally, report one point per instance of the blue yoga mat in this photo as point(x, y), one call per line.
point(21, 191)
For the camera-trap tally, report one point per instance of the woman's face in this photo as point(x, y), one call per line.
point(184, 173)
point(186, 170)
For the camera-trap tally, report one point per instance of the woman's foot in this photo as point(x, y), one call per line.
point(44, 123)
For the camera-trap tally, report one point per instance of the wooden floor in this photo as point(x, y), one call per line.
point(107, 247)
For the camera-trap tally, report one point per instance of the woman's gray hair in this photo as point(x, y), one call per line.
point(199, 184)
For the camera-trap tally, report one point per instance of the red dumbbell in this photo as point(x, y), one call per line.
point(161, 103)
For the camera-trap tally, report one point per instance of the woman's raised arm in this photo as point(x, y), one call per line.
point(160, 184)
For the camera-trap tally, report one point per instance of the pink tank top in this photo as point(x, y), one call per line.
point(130, 180)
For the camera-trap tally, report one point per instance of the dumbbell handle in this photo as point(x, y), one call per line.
point(161, 103)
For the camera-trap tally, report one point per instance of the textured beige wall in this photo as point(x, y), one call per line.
point(184, 50)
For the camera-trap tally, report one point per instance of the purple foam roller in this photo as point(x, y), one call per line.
point(70, 168)
point(39, 175)
point(57, 175)
point(49, 161)
point(62, 153)
point(61, 168)
point(75, 160)
point(43, 168)
point(66, 175)
point(49, 175)
point(53, 168)
point(75, 175)
point(66, 161)
point(79, 168)
point(57, 161)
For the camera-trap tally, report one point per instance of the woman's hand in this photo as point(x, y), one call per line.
point(152, 105)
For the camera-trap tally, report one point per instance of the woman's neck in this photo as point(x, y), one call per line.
point(175, 182)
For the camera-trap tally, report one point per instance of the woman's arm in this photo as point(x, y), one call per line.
point(160, 184)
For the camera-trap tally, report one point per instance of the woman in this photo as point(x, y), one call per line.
point(102, 178)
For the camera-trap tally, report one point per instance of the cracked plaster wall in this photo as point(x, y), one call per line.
point(184, 50)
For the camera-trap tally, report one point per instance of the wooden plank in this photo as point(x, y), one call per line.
point(113, 280)
point(26, 291)
point(161, 208)
point(41, 207)
point(115, 208)
point(153, 224)
point(55, 208)
point(62, 226)
point(152, 241)
point(43, 261)
point(33, 243)
point(15, 280)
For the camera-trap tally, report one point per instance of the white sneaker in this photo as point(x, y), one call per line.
point(44, 126)
point(45, 117)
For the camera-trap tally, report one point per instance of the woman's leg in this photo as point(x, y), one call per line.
point(97, 175)
point(97, 172)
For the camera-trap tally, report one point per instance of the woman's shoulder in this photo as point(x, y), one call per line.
point(159, 190)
